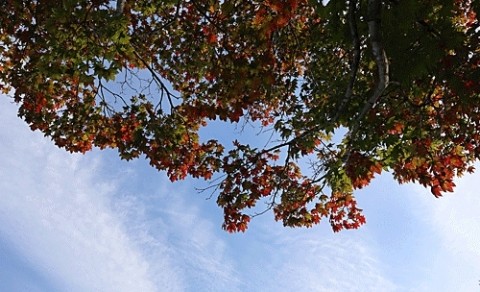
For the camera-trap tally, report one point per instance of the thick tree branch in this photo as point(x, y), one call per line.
point(120, 5)
point(352, 23)
point(375, 35)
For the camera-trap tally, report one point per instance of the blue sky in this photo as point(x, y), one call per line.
point(95, 223)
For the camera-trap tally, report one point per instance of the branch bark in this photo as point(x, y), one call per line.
point(374, 10)
point(352, 23)
point(379, 54)
point(120, 5)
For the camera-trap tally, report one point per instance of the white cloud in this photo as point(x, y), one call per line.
point(455, 219)
point(90, 224)
point(54, 209)
point(194, 243)
point(317, 260)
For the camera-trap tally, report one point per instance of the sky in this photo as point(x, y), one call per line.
point(73, 222)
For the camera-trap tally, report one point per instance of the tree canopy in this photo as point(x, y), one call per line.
point(398, 79)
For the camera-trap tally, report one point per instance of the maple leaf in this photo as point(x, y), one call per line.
point(147, 81)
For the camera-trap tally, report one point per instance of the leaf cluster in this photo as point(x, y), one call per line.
point(147, 80)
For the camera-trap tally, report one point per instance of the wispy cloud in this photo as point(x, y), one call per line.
point(338, 264)
point(55, 211)
point(455, 220)
point(169, 218)
point(79, 222)
point(317, 260)
point(93, 223)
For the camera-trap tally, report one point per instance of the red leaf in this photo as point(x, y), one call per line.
point(436, 191)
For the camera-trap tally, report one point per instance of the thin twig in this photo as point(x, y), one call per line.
point(157, 79)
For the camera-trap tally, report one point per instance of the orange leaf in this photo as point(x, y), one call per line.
point(212, 38)
point(436, 191)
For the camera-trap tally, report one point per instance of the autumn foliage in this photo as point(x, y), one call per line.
point(400, 78)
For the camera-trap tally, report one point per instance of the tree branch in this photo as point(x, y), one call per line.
point(157, 79)
point(375, 34)
point(374, 10)
point(352, 23)
point(120, 5)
